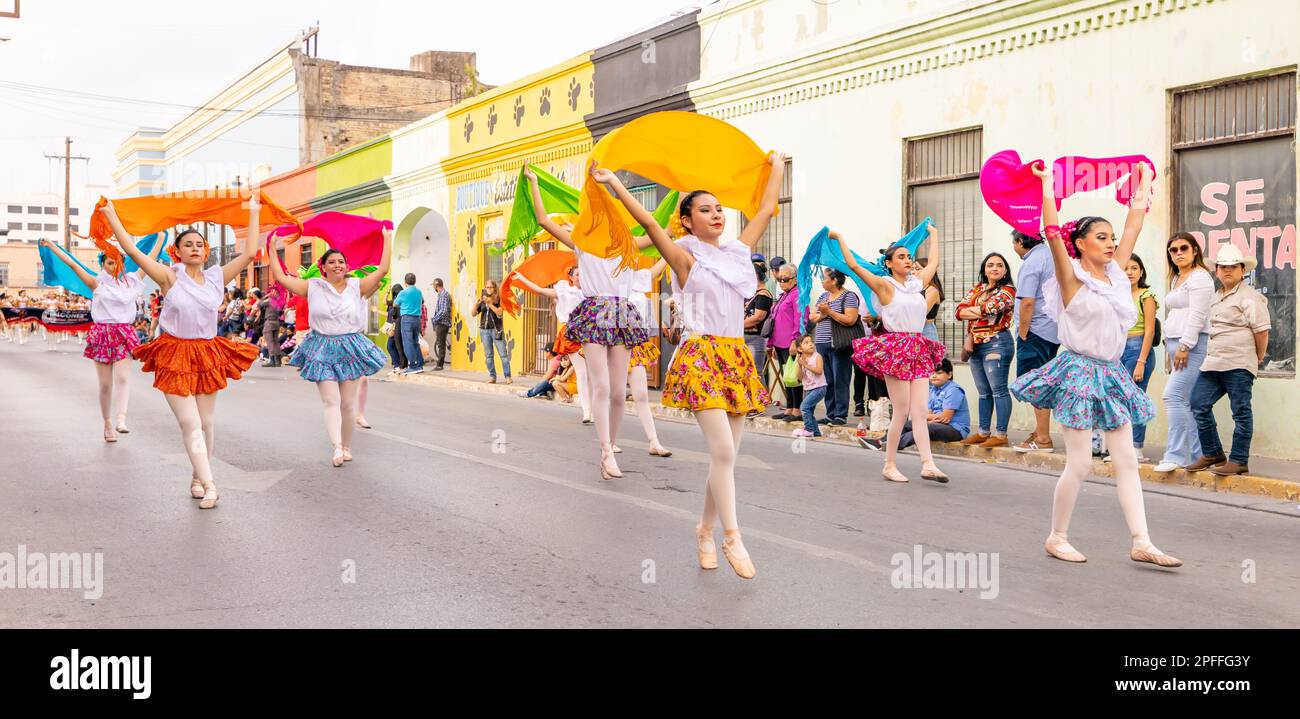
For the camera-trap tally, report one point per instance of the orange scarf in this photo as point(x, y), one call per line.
point(142, 216)
point(542, 269)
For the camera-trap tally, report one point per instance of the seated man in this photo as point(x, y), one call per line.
point(949, 417)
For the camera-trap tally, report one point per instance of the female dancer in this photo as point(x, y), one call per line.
point(643, 357)
point(607, 325)
point(336, 355)
point(901, 354)
point(113, 338)
point(1086, 386)
point(712, 373)
point(567, 296)
point(189, 361)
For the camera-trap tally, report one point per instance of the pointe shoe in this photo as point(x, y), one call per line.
point(617, 449)
point(705, 547)
point(743, 566)
point(347, 454)
point(606, 462)
point(658, 451)
point(362, 423)
point(196, 488)
point(1156, 557)
point(934, 474)
point(210, 496)
point(121, 425)
point(893, 475)
point(337, 459)
point(110, 435)
point(1063, 551)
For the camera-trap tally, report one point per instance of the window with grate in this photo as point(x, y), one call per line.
point(33, 210)
point(34, 226)
point(15, 208)
point(305, 253)
point(74, 211)
point(778, 241)
point(943, 184)
point(51, 210)
point(15, 225)
point(51, 228)
point(493, 235)
point(4, 274)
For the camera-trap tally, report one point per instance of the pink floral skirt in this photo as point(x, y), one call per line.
point(109, 343)
point(901, 355)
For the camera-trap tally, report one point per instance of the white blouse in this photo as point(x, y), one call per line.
point(712, 302)
point(641, 281)
point(1097, 321)
point(1187, 307)
point(331, 312)
point(906, 312)
point(189, 310)
point(601, 278)
point(114, 300)
point(567, 299)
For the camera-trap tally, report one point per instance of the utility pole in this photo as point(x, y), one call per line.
point(67, 159)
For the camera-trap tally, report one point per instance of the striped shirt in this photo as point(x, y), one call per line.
point(822, 334)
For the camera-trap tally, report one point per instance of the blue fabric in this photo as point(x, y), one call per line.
point(809, 404)
point(1033, 352)
point(57, 273)
point(1036, 269)
point(410, 328)
point(930, 332)
point(1132, 349)
point(1239, 385)
point(336, 358)
point(822, 251)
point(839, 379)
point(990, 365)
point(1183, 445)
point(1085, 393)
point(491, 348)
point(951, 397)
point(541, 388)
point(409, 301)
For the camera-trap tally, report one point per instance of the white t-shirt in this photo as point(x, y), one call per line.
point(1187, 307)
point(567, 299)
point(336, 313)
point(601, 278)
point(189, 310)
point(906, 312)
point(114, 300)
point(712, 302)
point(1097, 321)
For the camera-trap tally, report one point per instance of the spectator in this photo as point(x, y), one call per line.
point(949, 417)
point(756, 310)
point(1187, 337)
point(769, 281)
point(410, 303)
point(441, 320)
point(835, 305)
point(1239, 326)
point(491, 331)
point(786, 328)
point(271, 309)
point(812, 376)
point(553, 377)
point(1037, 331)
point(1139, 357)
point(987, 311)
point(395, 351)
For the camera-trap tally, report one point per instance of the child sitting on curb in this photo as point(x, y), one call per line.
point(949, 416)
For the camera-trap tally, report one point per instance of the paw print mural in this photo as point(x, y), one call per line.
point(591, 88)
point(510, 344)
point(461, 262)
point(545, 108)
point(492, 119)
point(469, 127)
point(470, 349)
point(519, 110)
point(509, 259)
point(575, 92)
point(457, 328)
point(472, 233)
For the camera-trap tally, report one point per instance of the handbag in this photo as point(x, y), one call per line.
point(765, 330)
point(790, 373)
point(842, 336)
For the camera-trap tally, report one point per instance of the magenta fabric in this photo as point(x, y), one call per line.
point(360, 239)
point(1085, 174)
point(1012, 191)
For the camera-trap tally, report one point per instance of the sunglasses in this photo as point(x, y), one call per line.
point(1180, 249)
point(785, 279)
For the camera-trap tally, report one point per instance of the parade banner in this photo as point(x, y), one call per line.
point(22, 315)
point(59, 320)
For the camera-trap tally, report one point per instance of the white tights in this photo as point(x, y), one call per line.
point(113, 385)
point(909, 400)
point(340, 407)
point(608, 377)
point(641, 400)
point(584, 386)
point(722, 434)
point(1078, 464)
point(194, 415)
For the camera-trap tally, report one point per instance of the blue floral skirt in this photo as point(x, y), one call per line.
point(608, 321)
point(337, 358)
point(1085, 393)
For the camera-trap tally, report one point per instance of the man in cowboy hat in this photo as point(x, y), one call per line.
point(1239, 324)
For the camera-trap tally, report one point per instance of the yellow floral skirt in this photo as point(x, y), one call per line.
point(645, 354)
point(714, 373)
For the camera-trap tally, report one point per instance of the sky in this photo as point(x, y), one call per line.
point(184, 52)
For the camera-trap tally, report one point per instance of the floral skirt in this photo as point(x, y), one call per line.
point(1085, 393)
point(110, 342)
point(608, 321)
point(714, 373)
point(645, 354)
point(564, 345)
point(337, 358)
point(186, 367)
point(901, 355)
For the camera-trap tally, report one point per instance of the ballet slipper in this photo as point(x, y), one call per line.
point(1061, 549)
point(1147, 552)
point(347, 454)
point(608, 467)
point(893, 475)
point(337, 459)
point(210, 496)
point(110, 435)
point(734, 550)
point(708, 551)
point(196, 488)
point(121, 425)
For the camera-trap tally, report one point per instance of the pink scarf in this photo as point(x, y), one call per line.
point(360, 239)
point(1014, 194)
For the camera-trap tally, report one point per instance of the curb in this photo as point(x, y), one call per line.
point(1246, 484)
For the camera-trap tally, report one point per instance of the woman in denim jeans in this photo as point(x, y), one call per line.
point(1187, 334)
point(835, 305)
point(490, 331)
point(987, 309)
point(1139, 356)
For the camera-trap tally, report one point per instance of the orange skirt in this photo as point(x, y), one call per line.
point(564, 345)
point(186, 367)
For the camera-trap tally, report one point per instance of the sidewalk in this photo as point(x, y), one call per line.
point(1274, 478)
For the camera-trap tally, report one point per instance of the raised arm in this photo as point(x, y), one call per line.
point(295, 285)
point(157, 252)
point(539, 211)
point(883, 289)
point(158, 272)
point(927, 273)
point(1137, 214)
point(678, 259)
point(1065, 277)
point(85, 276)
point(370, 283)
point(753, 231)
point(232, 268)
point(535, 288)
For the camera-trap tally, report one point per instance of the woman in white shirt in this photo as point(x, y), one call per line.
point(112, 339)
point(336, 354)
point(1187, 335)
point(189, 361)
point(1086, 386)
point(713, 373)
